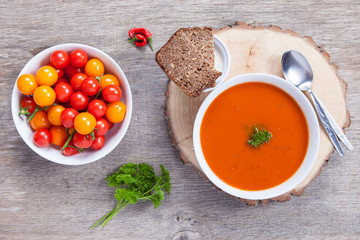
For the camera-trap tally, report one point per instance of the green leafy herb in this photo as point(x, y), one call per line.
point(259, 137)
point(134, 182)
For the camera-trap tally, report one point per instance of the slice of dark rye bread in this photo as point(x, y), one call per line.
point(188, 59)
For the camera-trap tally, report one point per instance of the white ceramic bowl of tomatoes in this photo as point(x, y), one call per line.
point(79, 102)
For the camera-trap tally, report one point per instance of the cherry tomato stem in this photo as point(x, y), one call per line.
point(92, 134)
point(67, 141)
point(98, 93)
point(37, 109)
point(24, 111)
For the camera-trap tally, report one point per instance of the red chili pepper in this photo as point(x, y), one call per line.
point(144, 32)
point(137, 38)
point(140, 40)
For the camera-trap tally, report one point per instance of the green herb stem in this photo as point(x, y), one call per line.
point(102, 219)
point(116, 210)
point(136, 182)
point(151, 189)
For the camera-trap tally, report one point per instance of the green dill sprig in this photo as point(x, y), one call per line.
point(134, 182)
point(259, 137)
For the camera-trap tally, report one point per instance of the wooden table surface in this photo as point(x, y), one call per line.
point(43, 200)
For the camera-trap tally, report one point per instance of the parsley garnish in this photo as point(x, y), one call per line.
point(136, 182)
point(259, 137)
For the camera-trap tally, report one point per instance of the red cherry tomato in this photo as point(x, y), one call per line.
point(97, 108)
point(70, 70)
point(66, 105)
point(76, 81)
point(59, 59)
point(111, 125)
point(98, 143)
point(78, 58)
point(112, 93)
point(71, 149)
point(67, 117)
point(82, 141)
point(60, 72)
point(102, 127)
point(42, 138)
point(90, 86)
point(28, 102)
point(63, 92)
point(60, 80)
point(79, 100)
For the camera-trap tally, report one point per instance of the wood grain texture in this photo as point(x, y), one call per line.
point(44, 200)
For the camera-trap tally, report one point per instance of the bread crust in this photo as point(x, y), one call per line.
point(188, 59)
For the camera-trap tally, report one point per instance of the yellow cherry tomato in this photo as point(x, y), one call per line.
point(44, 96)
point(108, 79)
point(54, 114)
point(94, 68)
point(27, 84)
point(115, 112)
point(84, 123)
point(46, 75)
point(40, 120)
point(59, 135)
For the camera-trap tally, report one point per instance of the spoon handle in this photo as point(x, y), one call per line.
point(336, 127)
point(325, 122)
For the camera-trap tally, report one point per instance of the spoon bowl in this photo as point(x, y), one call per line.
point(297, 69)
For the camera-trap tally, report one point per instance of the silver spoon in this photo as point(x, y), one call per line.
point(297, 70)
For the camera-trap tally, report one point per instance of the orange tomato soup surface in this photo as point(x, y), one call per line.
point(228, 124)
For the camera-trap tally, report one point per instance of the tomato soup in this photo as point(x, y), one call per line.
point(228, 124)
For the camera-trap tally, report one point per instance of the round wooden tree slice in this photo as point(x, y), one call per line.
point(256, 49)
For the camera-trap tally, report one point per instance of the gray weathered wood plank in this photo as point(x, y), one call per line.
point(44, 200)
